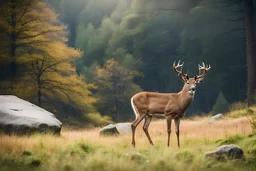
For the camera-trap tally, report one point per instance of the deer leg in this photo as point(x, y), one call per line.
point(134, 125)
point(145, 127)
point(177, 127)
point(169, 125)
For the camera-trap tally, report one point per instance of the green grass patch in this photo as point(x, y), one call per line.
point(230, 140)
point(242, 112)
point(186, 156)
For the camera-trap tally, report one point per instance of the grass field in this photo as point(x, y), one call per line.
point(86, 150)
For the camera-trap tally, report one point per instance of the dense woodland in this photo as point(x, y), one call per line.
point(84, 59)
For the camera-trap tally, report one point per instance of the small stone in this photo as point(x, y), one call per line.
point(215, 118)
point(226, 151)
point(109, 130)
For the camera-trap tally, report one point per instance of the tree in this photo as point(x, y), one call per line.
point(221, 105)
point(115, 83)
point(250, 52)
point(26, 24)
point(161, 32)
point(47, 73)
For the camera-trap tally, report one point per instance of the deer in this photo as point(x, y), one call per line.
point(170, 105)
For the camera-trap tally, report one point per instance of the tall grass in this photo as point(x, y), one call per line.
point(86, 150)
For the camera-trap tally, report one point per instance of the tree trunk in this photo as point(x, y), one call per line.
point(250, 52)
point(13, 38)
point(39, 92)
point(13, 67)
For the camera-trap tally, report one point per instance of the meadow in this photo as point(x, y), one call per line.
point(86, 150)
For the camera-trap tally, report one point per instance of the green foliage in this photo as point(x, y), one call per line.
point(243, 112)
point(26, 153)
point(27, 162)
point(185, 156)
point(87, 148)
point(80, 149)
point(193, 31)
point(191, 34)
point(97, 120)
point(221, 105)
point(114, 83)
point(229, 140)
point(250, 111)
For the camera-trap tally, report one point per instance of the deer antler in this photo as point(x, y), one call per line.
point(178, 66)
point(205, 68)
point(180, 72)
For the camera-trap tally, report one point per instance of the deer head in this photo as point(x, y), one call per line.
point(190, 83)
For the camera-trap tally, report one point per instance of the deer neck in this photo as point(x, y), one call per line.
point(185, 98)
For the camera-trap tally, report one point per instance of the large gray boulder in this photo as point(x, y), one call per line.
point(226, 151)
point(20, 117)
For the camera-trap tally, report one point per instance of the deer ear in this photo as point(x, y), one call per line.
point(198, 80)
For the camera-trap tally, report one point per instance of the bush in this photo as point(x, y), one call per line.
point(97, 120)
point(237, 106)
point(221, 105)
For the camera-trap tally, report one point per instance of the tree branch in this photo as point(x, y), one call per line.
point(35, 35)
point(25, 11)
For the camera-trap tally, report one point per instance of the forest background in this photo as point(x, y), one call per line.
point(84, 59)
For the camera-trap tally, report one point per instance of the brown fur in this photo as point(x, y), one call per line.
point(170, 105)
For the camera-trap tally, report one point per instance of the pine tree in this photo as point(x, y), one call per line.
point(221, 105)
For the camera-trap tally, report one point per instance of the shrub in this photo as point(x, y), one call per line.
point(97, 120)
point(80, 149)
point(250, 111)
point(221, 105)
point(27, 153)
point(35, 162)
point(86, 148)
point(237, 106)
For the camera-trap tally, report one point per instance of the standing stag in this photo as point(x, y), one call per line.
point(171, 105)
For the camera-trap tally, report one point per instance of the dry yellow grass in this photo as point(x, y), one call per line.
point(56, 153)
point(202, 129)
point(189, 129)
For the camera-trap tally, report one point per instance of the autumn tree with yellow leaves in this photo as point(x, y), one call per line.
point(34, 47)
point(115, 84)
